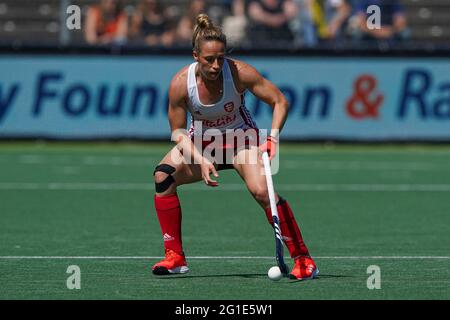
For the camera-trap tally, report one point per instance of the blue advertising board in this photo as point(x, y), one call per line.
point(330, 98)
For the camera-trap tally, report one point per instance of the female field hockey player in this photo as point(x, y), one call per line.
point(212, 90)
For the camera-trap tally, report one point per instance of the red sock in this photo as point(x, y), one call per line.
point(168, 211)
point(289, 229)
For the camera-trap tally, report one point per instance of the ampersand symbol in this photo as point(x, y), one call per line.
point(363, 88)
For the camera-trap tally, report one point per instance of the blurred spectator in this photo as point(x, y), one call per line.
point(152, 23)
point(186, 24)
point(393, 20)
point(233, 6)
point(269, 22)
point(303, 26)
point(336, 13)
point(106, 23)
point(234, 25)
point(329, 17)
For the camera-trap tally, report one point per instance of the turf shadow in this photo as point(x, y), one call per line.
point(334, 276)
point(242, 275)
point(323, 277)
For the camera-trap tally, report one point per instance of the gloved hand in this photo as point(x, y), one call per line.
point(270, 146)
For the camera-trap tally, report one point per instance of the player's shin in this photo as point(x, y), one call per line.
point(289, 229)
point(168, 210)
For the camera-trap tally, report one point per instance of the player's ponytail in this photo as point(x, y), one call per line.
point(206, 30)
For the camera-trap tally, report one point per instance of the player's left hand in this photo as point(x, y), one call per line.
point(270, 146)
point(207, 168)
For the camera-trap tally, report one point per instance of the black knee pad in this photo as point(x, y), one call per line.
point(164, 185)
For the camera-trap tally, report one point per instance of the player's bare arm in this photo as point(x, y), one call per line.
point(251, 79)
point(177, 112)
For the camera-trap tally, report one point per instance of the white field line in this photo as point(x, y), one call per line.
point(362, 165)
point(221, 257)
point(124, 186)
point(301, 150)
point(87, 160)
point(287, 164)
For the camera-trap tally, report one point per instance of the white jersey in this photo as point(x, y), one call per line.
point(228, 113)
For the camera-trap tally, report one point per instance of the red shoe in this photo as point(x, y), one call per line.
point(173, 263)
point(304, 269)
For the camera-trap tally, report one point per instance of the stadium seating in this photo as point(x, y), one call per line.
point(39, 21)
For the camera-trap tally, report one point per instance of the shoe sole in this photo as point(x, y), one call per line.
point(313, 276)
point(163, 271)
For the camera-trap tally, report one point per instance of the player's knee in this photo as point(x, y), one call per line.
point(163, 177)
point(159, 177)
point(261, 195)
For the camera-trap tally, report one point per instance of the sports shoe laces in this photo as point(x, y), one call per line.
point(171, 255)
point(304, 262)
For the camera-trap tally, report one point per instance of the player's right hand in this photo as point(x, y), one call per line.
point(207, 168)
point(270, 146)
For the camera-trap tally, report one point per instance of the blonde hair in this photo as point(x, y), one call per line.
point(206, 30)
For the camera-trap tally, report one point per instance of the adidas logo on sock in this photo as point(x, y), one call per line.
point(168, 237)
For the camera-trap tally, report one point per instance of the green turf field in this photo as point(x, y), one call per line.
point(91, 205)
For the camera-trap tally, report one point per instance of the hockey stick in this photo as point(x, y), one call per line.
point(276, 220)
